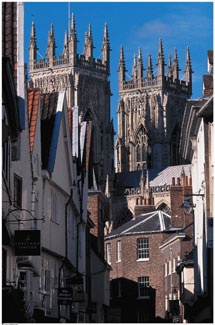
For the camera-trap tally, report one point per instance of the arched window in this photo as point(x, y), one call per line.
point(143, 149)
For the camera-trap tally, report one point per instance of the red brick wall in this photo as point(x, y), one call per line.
point(177, 193)
point(93, 208)
point(131, 269)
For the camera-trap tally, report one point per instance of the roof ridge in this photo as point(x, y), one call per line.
point(137, 224)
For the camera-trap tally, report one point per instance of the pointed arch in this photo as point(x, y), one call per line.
point(142, 147)
point(163, 205)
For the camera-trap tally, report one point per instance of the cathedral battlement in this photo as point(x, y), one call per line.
point(169, 81)
point(70, 57)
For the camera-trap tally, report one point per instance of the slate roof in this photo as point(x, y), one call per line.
point(165, 176)
point(33, 108)
point(152, 222)
point(157, 177)
point(48, 106)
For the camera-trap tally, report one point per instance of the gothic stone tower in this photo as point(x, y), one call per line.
point(150, 112)
point(86, 80)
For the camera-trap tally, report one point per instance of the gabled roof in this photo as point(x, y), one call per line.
point(152, 222)
point(48, 108)
point(33, 109)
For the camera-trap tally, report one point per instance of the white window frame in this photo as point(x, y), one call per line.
point(173, 265)
point(143, 283)
point(142, 249)
point(108, 248)
point(165, 269)
point(170, 267)
point(119, 246)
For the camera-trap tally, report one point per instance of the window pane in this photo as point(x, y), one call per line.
point(143, 286)
point(118, 251)
point(142, 248)
point(109, 253)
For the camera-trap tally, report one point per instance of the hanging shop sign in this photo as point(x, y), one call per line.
point(27, 242)
point(76, 284)
point(64, 296)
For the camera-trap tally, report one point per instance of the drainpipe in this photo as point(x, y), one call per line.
point(66, 222)
point(79, 223)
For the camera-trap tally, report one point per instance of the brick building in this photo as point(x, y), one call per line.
point(132, 250)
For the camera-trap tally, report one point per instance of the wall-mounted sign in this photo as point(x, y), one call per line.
point(27, 242)
point(64, 296)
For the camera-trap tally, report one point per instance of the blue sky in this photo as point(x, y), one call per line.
point(131, 24)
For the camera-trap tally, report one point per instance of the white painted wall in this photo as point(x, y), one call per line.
point(198, 178)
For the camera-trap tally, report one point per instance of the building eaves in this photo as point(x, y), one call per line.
point(206, 110)
point(207, 85)
point(33, 95)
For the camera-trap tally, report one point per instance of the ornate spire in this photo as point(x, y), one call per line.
point(150, 75)
point(88, 44)
point(50, 53)
point(134, 67)
point(65, 46)
point(169, 67)
point(121, 58)
point(106, 49)
point(175, 66)
point(121, 68)
point(147, 180)
point(73, 42)
point(160, 53)
point(188, 69)
point(142, 185)
point(73, 29)
point(32, 47)
point(139, 67)
point(160, 63)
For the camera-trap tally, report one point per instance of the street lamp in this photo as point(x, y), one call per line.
point(188, 206)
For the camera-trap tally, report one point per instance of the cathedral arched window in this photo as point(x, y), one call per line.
point(143, 149)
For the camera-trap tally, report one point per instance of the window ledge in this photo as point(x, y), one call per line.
point(142, 259)
point(144, 297)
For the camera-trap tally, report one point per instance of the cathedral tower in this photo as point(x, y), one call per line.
point(150, 111)
point(87, 85)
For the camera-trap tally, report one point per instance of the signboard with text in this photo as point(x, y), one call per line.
point(64, 296)
point(27, 242)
